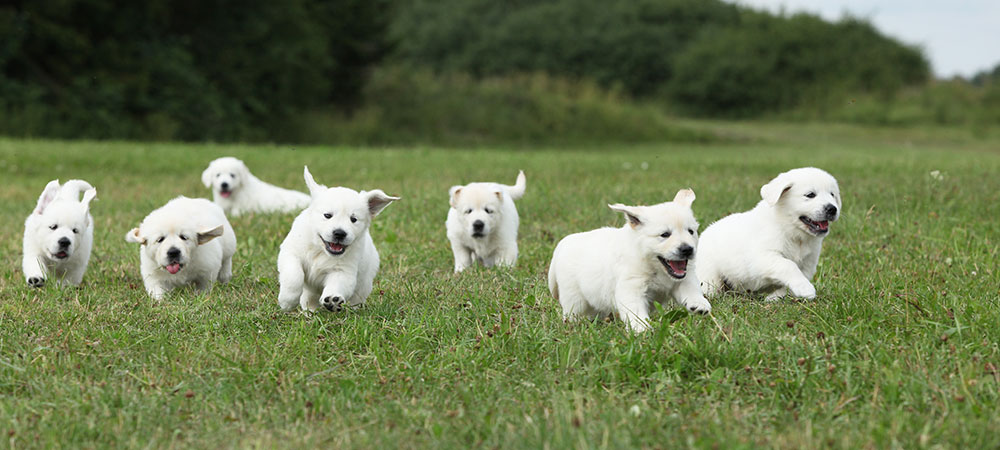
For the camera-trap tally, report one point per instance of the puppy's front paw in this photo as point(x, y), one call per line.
point(804, 290)
point(333, 303)
point(36, 282)
point(698, 305)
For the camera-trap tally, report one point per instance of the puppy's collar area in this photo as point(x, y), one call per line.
point(676, 268)
point(816, 227)
point(333, 248)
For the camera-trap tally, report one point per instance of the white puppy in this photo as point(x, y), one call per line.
point(625, 269)
point(482, 223)
point(237, 191)
point(775, 246)
point(329, 253)
point(59, 234)
point(179, 246)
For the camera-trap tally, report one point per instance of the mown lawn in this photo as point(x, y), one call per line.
point(900, 348)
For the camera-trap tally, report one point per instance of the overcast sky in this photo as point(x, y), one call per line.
point(960, 37)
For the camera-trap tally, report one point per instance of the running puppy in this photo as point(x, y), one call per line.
point(328, 256)
point(237, 191)
point(59, 234)
point(773, 248)
point(625, 269)
point(482, 223)
point(179, 246)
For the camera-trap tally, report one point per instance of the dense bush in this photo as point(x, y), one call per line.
point(630, 44)
point(179, 69)
point(769, 63)
point(406, 106)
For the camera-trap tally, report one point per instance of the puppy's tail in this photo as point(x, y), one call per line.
point(71, 189)
point(517, 190)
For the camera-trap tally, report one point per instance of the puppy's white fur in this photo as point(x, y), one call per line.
point(625, 269)
point(179, 246)
point(59, 234)
point(770, 248)
point(238, 191)
point(491, 206)
point(328, 256)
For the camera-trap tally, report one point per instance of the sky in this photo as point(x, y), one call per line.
point(959, 37)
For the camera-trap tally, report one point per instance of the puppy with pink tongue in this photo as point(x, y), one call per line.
point(188, 241)
point(624, 270)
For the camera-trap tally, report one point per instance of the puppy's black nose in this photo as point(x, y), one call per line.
point(831, 211)
point(685, 250)
point(174, 252)
point(339, 235)
point(478, 225)
point(224, 186)
point(63, 242)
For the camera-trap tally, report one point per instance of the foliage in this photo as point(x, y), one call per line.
point(778, 63)
point(187, 69)
point(416, 106)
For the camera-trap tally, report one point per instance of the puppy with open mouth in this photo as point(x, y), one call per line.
point(328, 258)
point(238, 191)
point(188, 241)
point(59, 234)
point(773, 248)
point(482, 223)
point(624, 270)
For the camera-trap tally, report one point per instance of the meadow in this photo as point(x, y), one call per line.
point(899, 349)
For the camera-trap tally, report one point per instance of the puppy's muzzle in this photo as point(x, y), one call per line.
point(63, 252)
point(477, 228)
point(677, 268)
point(173, 260)
point(336, 245)
point(224, 190)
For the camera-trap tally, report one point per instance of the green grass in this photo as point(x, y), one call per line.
point(896, 351)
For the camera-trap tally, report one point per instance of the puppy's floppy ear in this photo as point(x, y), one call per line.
point(631, 213)
point(453, 195)
point(377, 201)
point(206, 176)
point(684, 197)
point(88, 195)
point(133, 236)
point(48, 194)
point(771, 192)
point(314, 188)
point(208, 235)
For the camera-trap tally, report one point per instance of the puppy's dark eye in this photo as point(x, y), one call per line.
point(160, 239)
point(811, 195)
point(353, 218)
point(691, 231)
point(232, 175)
point(489, 211)
point(76, 231)
point(468, 211)
point(665, 234)
point(184, 238)
point(53, 226)
point(328, 215)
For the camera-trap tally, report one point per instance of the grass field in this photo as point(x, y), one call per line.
point(900, 348)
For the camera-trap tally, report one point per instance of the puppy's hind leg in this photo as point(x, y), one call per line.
point(778, 294)
point(226, 271)
point(291, 279)
point(309, 300)
point(507, 256)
